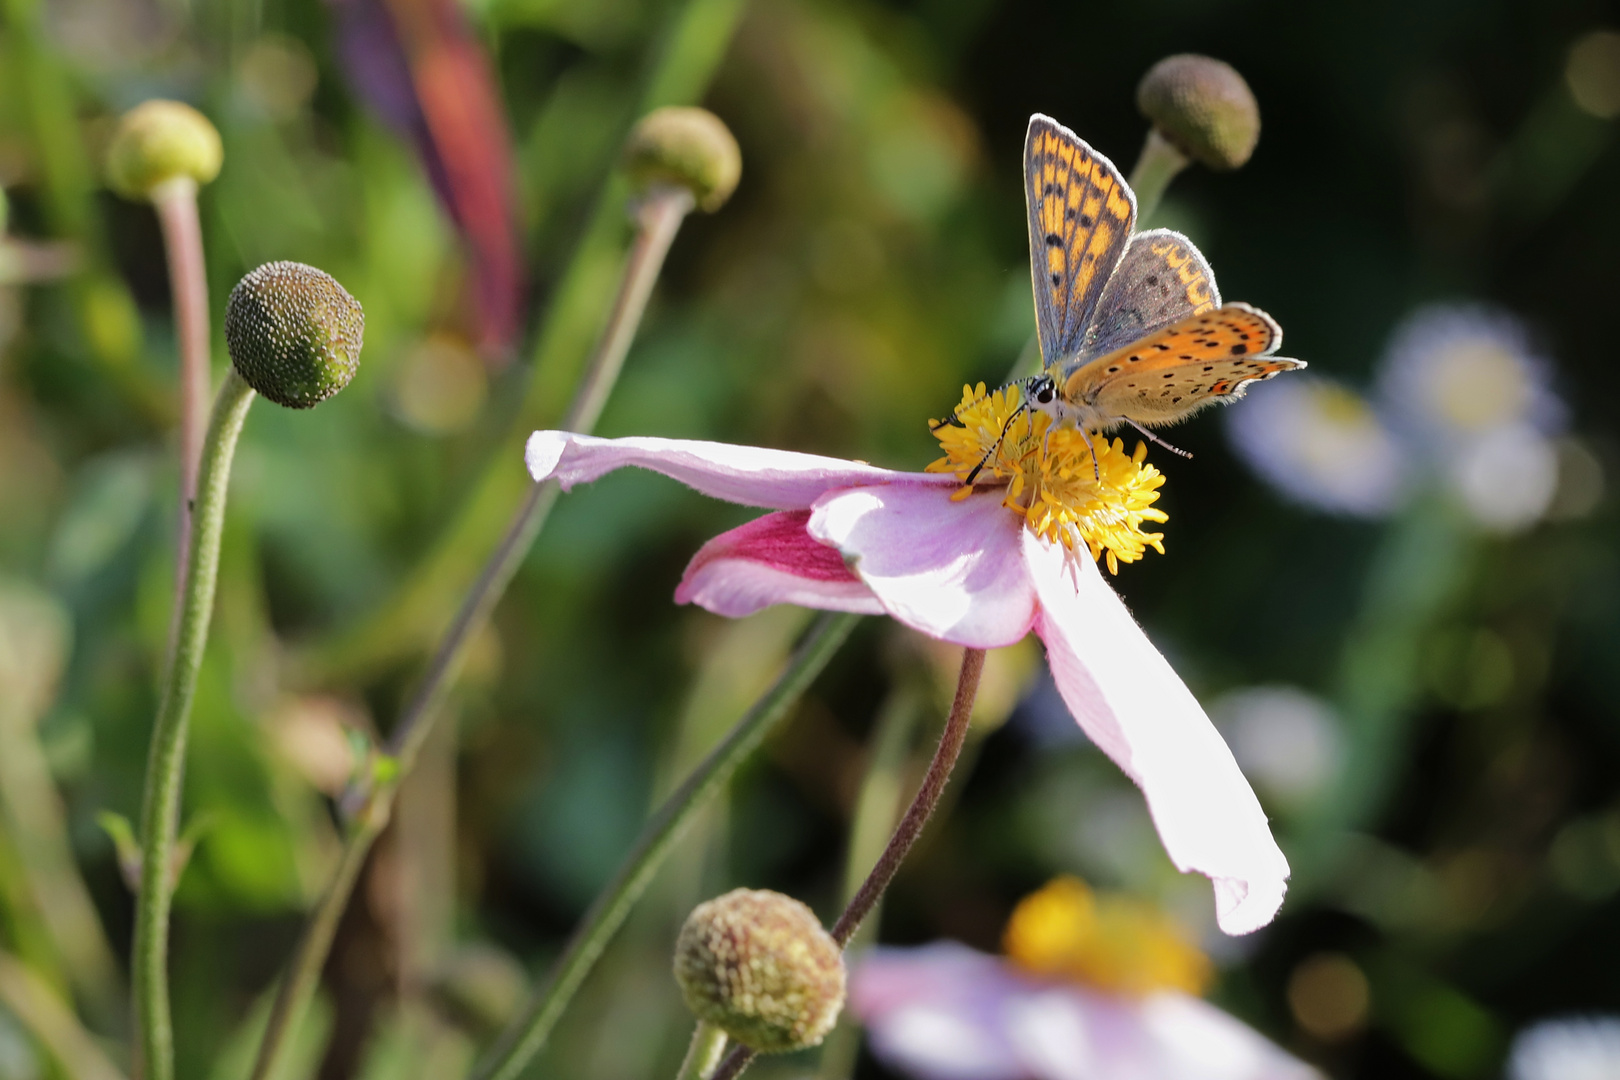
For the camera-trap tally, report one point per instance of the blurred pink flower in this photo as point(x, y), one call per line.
point(421, 68)
point(947, 1012)
point(964, 568)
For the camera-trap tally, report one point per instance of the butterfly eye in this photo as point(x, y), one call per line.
point(1045, 394)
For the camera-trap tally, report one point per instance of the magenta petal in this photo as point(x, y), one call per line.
point(750, 475)
point(772, 560)
point(953, 570)
point(1132, 704)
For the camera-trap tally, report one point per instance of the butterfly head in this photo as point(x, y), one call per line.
point(1041, 395)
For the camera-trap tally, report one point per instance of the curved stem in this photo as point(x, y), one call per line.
point(658, 219)
point(524, 1038)
point(906, 833)
point(176, 204)
point(166, 760)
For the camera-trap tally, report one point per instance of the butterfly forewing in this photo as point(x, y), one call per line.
point(1162, 277)
point(1193, 362)
point(1081, 213)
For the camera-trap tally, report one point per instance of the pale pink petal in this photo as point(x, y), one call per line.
point(937, 1012)
point(1134, 706)
point(953, 570)
point(1197, 1041)
point(946, 1012)
point(772, 560)
point(750, 475)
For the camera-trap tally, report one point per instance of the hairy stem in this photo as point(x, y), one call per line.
point(658, 219)
point(524, 1038)
point(166, 762)
point(906, 833)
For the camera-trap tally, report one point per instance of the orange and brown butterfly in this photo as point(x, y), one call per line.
point(1132, 328)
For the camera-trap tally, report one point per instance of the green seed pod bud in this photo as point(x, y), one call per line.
point(685, 147)
point(294, 333)
point(158, 141)
point(758, 965)
point(1203, 107)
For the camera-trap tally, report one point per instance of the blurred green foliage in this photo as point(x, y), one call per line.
point(873, 259)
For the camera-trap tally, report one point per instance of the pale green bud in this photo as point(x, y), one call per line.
point(294, 334)
point(679, 146)
point(759, 966)
point(158, 141)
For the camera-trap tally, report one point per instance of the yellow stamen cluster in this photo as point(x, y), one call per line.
point(1116, 944)
point(1070, 487)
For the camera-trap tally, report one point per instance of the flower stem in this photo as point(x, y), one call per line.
point(166, 761)
point(1156, 166)
point(703, 1055)
point(658, 219)
point(906, 833)
point(524, 1038)
point(176, 204)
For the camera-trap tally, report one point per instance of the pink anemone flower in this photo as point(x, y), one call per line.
point(981, 566)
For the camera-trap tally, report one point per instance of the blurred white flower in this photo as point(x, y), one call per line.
point(1506, 477)
point(1453, 373)
point(1319, 443)
point(1286, 740)
point(1571, 1048)
point(1465, 384)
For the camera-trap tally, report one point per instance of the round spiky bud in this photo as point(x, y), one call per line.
point(1203, 107)
point(294, 333)
point(758, 965)
point(685, 147)
point(158, 141)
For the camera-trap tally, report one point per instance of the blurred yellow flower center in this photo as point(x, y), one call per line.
point(1050, 477)
point(1113, 943)
point(1479, 384)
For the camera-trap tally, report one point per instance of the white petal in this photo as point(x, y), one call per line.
point(1133, 705)
point(953, 570)
point(750, 475)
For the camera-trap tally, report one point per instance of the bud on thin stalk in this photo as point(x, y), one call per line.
point(759, 966)
point(295, 313)
point(1202, 110)
point(160, 153)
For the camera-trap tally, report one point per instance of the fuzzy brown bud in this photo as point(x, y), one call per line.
point(1203, 107)
point(759, 966)
point(294, 333)
point(158, 141)
point(680, 146)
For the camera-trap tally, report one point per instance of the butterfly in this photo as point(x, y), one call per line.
point(1132, 328)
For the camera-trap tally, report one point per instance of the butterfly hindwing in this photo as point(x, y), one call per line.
point(1193, 362)
point(1162, 277)
point(1081, 213)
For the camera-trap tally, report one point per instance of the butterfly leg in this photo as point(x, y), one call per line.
point(1152, 438)
point(995, 446)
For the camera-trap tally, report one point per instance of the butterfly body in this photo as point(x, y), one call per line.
point(1132, 328)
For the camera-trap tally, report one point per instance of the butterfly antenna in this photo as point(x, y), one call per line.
point(995, 446)
point(955, 419)
point(1152, 438)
